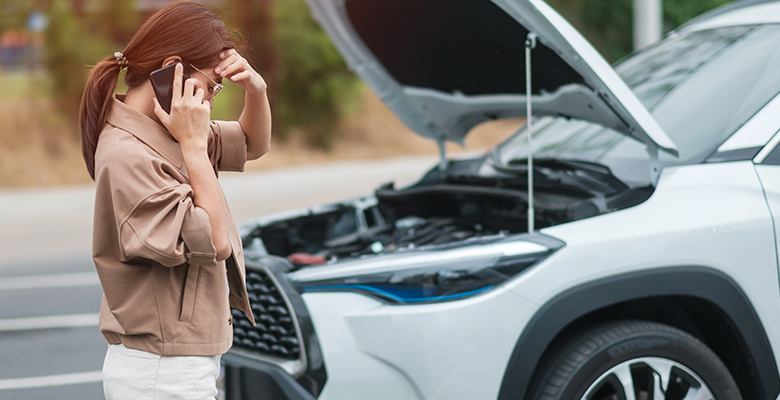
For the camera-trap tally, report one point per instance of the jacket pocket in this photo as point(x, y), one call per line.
point(188, 296)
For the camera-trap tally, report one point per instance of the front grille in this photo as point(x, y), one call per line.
point(275, 333)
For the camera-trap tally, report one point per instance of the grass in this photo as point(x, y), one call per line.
point(40, 147)
point(23, 85)
point(37, 148)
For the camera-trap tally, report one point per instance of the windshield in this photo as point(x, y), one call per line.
point(700, 87)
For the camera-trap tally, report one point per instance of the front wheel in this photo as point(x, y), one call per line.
point(636, 360)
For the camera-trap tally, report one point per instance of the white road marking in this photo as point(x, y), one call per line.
point(51, 380)
point(49, 322)
point(49, 281)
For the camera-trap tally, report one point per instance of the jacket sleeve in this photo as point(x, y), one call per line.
point(228, 149)
point(168, 228)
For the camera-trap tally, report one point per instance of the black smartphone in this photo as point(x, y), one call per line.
point(162, 83)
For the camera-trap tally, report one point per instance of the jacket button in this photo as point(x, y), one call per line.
point(230, 320)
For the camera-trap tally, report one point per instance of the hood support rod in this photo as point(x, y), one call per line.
point(442, 141)
point(530, 44)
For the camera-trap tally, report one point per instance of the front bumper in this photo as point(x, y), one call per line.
point(373, 350)
point(280, 358)
point(247, 379)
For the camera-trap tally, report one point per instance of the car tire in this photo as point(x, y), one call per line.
point(646, 357)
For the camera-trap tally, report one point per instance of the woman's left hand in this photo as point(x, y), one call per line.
point(237, 70)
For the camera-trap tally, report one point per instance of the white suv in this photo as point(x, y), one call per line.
point(650, 268)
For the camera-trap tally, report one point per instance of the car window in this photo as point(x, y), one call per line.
point(716, 98)
point(700, 87)
point(653, 73)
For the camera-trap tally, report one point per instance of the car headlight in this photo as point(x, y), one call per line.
point(432, 275)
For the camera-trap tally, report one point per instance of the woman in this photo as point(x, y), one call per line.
point(165, 246)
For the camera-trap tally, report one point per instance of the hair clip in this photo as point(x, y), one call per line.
point(121, 60)
point(218, 38)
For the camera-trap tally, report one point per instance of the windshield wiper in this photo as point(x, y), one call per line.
point(556, 163)
point(593, 177)
point(518, 169)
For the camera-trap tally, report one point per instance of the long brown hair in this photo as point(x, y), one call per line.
point(185, 29)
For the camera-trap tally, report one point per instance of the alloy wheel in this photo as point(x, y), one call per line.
point(648, 378)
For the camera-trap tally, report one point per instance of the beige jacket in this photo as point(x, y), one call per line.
point(164, 291)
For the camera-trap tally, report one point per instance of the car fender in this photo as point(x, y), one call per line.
point(690, 281)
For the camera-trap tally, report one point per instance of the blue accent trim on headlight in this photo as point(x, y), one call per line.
point(389, 295)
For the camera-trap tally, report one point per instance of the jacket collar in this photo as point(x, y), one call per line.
point(145, 129)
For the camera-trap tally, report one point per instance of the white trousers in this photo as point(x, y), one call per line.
point(130, 374)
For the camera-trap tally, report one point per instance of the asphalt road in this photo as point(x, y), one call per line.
point(50, 345)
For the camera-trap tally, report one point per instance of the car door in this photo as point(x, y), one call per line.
point(767, 164)
point(765, 125)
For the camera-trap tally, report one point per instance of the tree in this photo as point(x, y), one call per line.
point(310, 86)
point(257, 16)
point(315, 88)
point(13, 13)
point(67, 52)
point(607, 23)
point(74, 40)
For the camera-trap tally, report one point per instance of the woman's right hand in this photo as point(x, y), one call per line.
point(188, 121)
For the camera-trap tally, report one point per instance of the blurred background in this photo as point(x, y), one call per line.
point(322, 112)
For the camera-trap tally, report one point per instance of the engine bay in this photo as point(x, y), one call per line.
point(444, 207)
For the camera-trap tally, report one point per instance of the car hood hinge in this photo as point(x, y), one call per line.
point(655, 169)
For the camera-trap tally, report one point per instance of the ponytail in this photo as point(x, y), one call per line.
point(95, 105)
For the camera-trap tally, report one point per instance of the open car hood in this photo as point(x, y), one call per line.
point(444, 66)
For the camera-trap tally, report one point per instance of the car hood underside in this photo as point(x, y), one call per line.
point(444, 66)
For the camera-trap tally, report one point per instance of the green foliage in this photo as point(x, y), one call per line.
point(73, 43)
point(118, 20)
point(314, 88)
point(678, 12)
point(607, 24)
point(614, 21)
point(14, 13)
point(70, 48)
